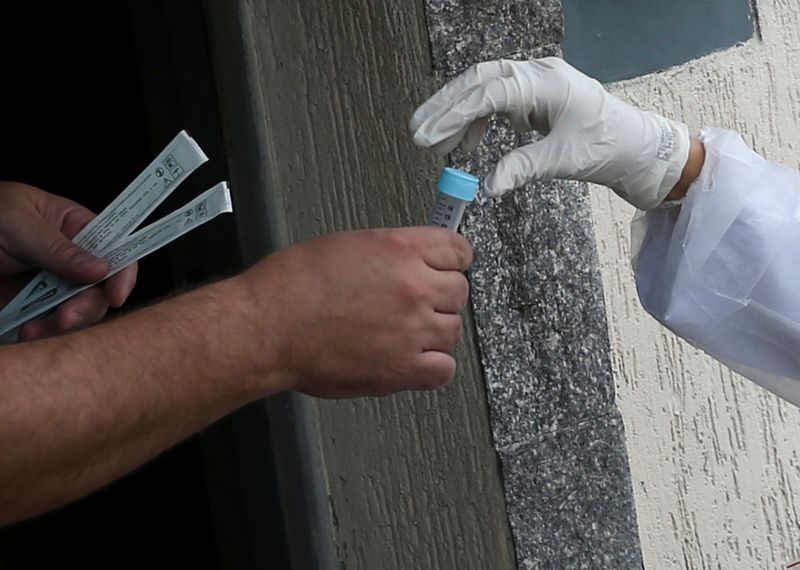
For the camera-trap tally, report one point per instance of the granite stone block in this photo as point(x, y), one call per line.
point(569, 499)
point(538, 302)
point(470, 31)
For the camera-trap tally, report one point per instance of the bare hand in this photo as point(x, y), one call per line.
point(365, 313)
point(35, 232)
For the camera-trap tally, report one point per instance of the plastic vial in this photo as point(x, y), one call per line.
point(456, 189)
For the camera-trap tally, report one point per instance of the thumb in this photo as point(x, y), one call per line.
point(46, 247)
point(531, 163)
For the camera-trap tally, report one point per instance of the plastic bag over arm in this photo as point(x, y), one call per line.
point(722, 268)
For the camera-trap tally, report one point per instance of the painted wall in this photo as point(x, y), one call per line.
point(715, 460)
point(413, 479)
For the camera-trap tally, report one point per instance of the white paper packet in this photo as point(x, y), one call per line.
point(112, 236)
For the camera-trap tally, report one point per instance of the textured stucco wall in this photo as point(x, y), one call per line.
point(715, 460)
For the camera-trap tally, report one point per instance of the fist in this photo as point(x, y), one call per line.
point(365, 313)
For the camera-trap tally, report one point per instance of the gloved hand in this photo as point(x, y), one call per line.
point(590, 135)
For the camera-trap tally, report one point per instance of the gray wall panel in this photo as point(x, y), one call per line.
point(414, 480)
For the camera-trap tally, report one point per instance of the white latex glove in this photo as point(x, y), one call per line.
point(590, 134)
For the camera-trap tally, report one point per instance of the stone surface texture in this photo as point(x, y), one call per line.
point(538, 304)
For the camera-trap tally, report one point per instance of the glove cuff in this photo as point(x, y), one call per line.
point(658, 163)
point(676, 160)
point(671, 154)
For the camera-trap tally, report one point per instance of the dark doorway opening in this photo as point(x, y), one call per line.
point(74, 123)
point(89, 97)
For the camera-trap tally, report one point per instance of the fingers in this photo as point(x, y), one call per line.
point(119, 286)
point(449, 144)
point(454, 90)
point(474, 134)
point(43, 245)
point(33, 330)
point(445, 331)
point(498, 95)
point(451, 292)
point(433, 369)
point(533, 162)
point(438, 105)
point(469, 137)
point(448, 251)
point(460, 110)
point(84, 309)
point(75, 219)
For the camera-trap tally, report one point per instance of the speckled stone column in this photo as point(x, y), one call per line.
point(538, 305)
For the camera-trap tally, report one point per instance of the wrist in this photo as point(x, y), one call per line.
point(691, 170)
point(257, 328)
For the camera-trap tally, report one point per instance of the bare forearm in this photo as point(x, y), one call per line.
point(694, 164)
point(80, 410)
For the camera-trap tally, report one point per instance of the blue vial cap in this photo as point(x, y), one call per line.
point(458, 184)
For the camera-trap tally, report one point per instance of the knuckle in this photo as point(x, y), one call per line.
point(437, 375)
point(415, 292)
point(463, 291)
point(399, 241)
point(555, 63)
point(484, 68)
point(462, 249)
point(59, 247)
point(444, 375)
point(452, 333)
point(458, 331)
